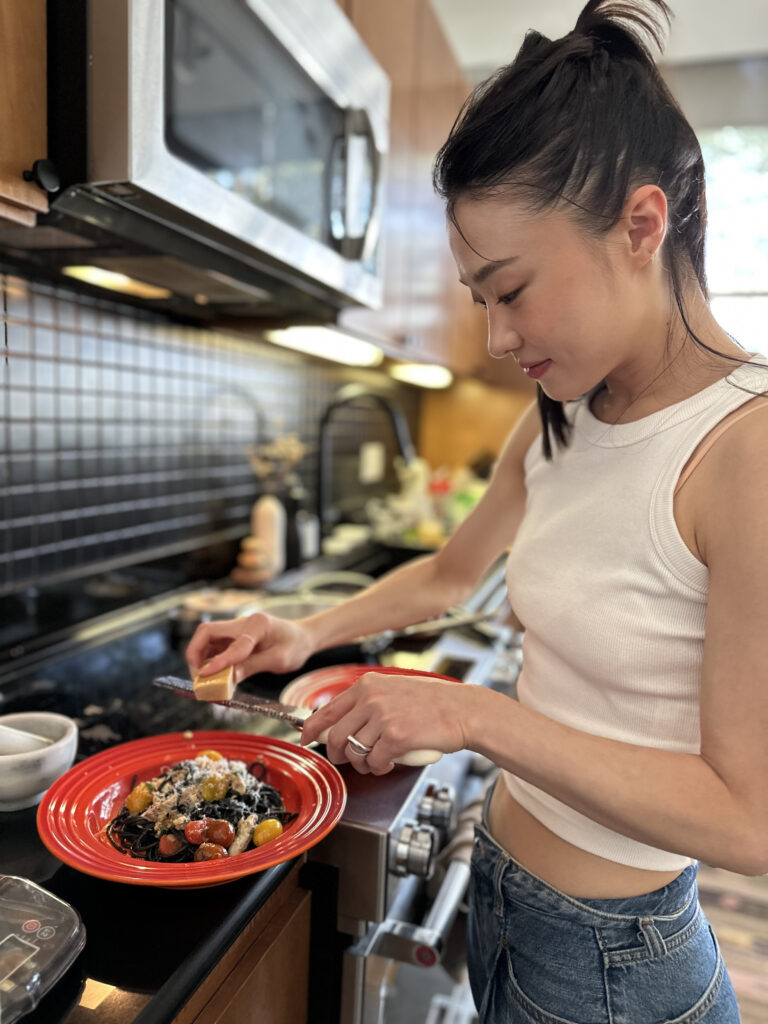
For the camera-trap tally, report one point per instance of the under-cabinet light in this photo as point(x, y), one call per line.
point(328, 343)
point(423, 375)
point(116, 282)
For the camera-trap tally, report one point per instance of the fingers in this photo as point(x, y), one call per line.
point(222, 644)
point(354, 735)
point(234, 655)
point(326, 717)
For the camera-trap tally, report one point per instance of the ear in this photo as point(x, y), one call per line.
point(645, 222)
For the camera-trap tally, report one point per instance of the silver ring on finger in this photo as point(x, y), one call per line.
point(357, 748)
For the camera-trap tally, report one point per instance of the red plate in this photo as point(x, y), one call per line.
point(73, 814)
point(314, 689)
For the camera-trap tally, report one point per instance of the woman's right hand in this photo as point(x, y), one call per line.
point(255, 643)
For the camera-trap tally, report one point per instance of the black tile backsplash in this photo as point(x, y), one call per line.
point(124, 435)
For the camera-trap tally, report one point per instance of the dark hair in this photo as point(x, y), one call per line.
point(585, 119)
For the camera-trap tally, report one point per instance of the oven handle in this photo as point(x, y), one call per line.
point(424, 944)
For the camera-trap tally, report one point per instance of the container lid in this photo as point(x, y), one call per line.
point(40, 937)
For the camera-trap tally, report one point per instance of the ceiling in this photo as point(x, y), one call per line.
point(487, 33)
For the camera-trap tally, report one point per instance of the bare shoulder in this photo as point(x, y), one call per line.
point(731, 485)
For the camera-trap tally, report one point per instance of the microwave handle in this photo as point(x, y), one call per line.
point(358, 126)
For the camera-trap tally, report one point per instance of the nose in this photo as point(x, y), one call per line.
point(503, 340)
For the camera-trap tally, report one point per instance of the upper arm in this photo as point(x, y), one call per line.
point(732, 520)
point(491, 526)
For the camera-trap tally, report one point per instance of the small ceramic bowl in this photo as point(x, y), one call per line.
point(24, 777)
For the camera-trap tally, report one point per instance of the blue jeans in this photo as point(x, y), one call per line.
point(538, 956)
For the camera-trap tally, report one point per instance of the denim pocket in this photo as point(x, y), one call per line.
point(528, 1012)
point(554, 969)
point(676, 984)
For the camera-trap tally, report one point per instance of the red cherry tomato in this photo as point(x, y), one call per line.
point(196, 832)
point(169, 844)
point(220, 831)
point(210, 851)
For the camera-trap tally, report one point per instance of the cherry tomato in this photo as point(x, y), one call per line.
point(169, 844)
point(139, 798)
point(212, 755)
point(221, 832)
point(196, 832)
point(266, 831)
point(210, 851)
point(214, 788)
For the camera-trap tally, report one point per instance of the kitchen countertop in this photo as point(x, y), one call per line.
point(147, 949)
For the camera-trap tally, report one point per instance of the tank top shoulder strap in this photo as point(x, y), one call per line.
point(713, 436)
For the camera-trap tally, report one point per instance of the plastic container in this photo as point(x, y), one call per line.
point(40, 938)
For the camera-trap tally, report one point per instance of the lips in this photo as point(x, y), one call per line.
point(536, 370)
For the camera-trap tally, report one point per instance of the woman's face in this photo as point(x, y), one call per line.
point(570, 313)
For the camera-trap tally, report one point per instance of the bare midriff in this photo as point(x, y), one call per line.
point(560, 863)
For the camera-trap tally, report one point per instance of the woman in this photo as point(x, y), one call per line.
point(633, 503)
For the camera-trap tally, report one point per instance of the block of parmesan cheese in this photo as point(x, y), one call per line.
point(220, 686)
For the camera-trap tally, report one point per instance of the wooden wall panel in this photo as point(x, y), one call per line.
point(458, 424)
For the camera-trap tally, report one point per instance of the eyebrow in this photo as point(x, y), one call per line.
point(488, 269)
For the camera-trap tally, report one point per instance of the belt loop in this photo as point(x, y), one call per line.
point(652, 937)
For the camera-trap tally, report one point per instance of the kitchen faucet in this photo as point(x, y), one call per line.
point(346, 395)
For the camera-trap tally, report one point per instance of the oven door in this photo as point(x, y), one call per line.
point(260, 126)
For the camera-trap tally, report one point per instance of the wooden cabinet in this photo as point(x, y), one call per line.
point(263, 978)
point(23, 108)
point(427, 315)
point(407, 40)
point(440, 91)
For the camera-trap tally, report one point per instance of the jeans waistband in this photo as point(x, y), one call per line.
point(517, 883)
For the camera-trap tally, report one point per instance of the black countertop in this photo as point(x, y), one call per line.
point(147, 949)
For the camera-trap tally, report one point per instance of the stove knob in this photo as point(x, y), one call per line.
point(412, 850)
point(438, 807)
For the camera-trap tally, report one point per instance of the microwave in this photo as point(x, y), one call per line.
point(229, 154)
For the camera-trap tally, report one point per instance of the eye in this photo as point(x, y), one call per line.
point(504, 300)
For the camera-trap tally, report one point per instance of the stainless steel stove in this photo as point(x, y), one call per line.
point(391, 834)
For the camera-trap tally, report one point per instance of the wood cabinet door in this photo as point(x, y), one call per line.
point(23, 107)
point(269, 984)
point(431, 272)
point(389, 32)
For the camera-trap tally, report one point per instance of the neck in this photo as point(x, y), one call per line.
point(678, 367)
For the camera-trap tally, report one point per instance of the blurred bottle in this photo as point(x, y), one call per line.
point(268, 522)
point(294, 501)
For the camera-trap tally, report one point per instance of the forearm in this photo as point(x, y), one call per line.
point(413, 592)
point(672, 801)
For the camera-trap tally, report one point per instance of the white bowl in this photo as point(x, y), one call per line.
point(25, 777)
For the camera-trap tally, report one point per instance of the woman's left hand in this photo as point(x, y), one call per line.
point(392, 715)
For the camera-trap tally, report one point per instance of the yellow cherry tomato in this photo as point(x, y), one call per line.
point(214, 788)
point(212, 755)
point(266, 831)
point(139, 798)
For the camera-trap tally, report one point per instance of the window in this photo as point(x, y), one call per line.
point(736, 161)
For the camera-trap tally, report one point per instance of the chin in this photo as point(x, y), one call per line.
point(566, 391)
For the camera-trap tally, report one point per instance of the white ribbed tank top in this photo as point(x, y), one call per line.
point(612, 600)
